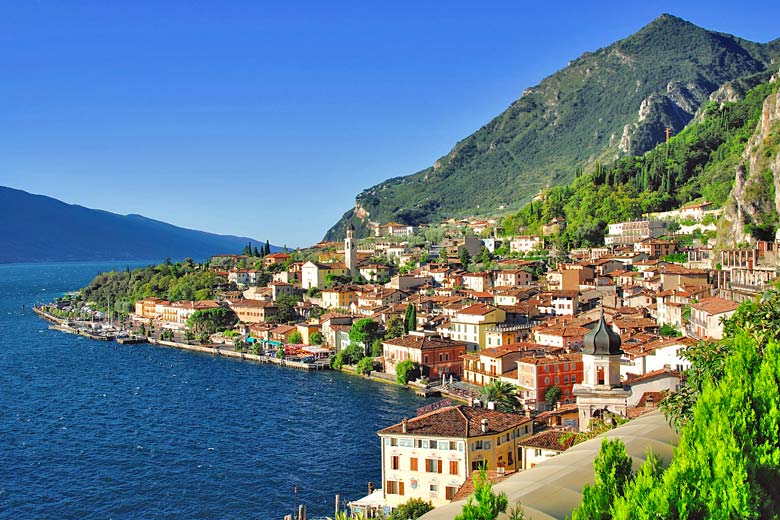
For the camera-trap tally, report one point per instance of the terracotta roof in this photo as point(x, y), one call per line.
point(558, 440)
point(478, 309)
point(424, 342)
point(715, 305)
point(458, 421)
point(468, 487)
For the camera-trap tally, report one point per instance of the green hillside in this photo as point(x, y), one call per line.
point(612, 102)
point(698, 162)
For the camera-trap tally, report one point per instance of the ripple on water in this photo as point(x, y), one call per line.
point(99, 430)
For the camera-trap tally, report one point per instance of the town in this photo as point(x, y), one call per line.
point(530, 348)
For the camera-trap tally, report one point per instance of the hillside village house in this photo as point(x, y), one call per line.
point(553, 227)
point(275, 258)
point(314, 274)
point(339, 296)
point(437, 356)
point(512, 278)
point(525, 244)
point(393, 229)
point(470, 324)
point(431, 456)
point(170, 312)
point(629, 233)
point(374, 272)
point(707, 317)
point(480, 282)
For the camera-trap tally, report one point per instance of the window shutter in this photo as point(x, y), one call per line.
point(439, 467)
point(413, 464)
point(400, 488)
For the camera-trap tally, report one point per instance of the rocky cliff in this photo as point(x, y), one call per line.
point(754, 204)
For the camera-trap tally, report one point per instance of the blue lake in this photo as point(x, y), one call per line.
point(100, 430)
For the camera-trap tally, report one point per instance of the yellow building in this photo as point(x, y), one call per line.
point(431, 456)
point(315, 274)
point(339, 297)
point(470, 324)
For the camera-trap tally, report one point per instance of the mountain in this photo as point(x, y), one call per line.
point(35, 228)
point(613, 102)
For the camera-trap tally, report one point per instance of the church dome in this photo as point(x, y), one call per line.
point(602, 340)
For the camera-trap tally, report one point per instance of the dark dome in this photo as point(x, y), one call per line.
point(602, 340)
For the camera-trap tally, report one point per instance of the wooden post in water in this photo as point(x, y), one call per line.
point(337, 505)
point(301, 512)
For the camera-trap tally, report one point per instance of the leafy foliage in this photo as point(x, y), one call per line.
point(364, 332)
point(552, 394)
point(404, 370)
point(613, 472)
point(484, 503)
point(412, 509)
point(212, 320)
point(502, 393)
point(698, 162)
point(365, 365)
point(295, 338)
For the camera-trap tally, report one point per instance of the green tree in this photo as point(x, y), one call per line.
point(204, 338)
point(410, 318)
point(337, 361)
point(613, 472)
point(503, 394)
point(553, 394)
point(405, 370)
point(484, 503)
point(295, 338)
point(286, 308)
point(365, 365)
point(395, 328)
point(189, 337)
point(280, 352)
point(465, 258)
point(353, 353)
point(316, 338)
point(412, 509)
point(364, 332)
point(212, 320)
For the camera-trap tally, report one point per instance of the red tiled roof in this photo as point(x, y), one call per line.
point(558, 440)
point(458, 421)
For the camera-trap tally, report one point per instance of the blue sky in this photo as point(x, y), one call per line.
point(265, 120)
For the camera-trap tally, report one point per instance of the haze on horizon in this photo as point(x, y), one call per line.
point(266, 121)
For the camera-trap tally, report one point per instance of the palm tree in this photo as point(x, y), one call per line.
point(503, 394)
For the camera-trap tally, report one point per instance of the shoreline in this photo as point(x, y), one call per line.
point(60, 325)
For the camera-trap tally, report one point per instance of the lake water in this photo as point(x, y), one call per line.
point(100, 430)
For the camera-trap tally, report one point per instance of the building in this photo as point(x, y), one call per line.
point(470, 324)
point(275, 258)
point(544, 445)
point(437, 356)
point(339, 296)
point(707, 317)
point(393, 229)
point(431, 456)
point(483, 367)
point(512, 278)
point(350, 251)
point(525, 244)
point(254, 311)
point(536, 374)
point(314, 274)
point(554, 227)
point(629, 233)
point(601, 391)
point(146, 308)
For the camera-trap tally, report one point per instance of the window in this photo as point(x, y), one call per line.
point(537, 452)
point(393, 441)
point(394, 462)
point(454, 467)
point(447, 356)
point(557, 380)
point(566, 367)
point(547, 380)
point(425, 359)
point(433, 465)
point(478, 445)
point(425, 444)
point(394, 487)
point(449, 492)
point(406, 443)
point(573, 379)
point(453, 445)
point(434, 488)
point(442, 445)
point(565, 379)
point(413, 464)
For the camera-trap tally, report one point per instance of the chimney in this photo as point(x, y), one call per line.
point(528, 412)
point(403, 427)
point(484, 425)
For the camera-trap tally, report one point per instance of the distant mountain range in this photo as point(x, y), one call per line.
point(35, 228)
point(613, 102)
